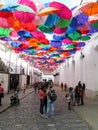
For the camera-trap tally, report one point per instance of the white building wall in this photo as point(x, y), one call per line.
point(82, 69)
point(23, 80)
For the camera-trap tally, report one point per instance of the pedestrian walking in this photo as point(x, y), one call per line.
point(68, 100)
point(24, 88)
point(76, 96)
point(1, 94)
point(42, 100)
point(65, 87)
point(50, 101)
point(62, 86)
point(35, 86)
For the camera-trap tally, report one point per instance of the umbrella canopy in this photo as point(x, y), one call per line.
point(63, 8)
point(28, 3)
point(48, 10)
point(90, 8)
point(23, 8)
point(25, 17)
point(46, 36)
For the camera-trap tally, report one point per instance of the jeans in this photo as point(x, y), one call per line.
point(42, 103)
point(50, 105)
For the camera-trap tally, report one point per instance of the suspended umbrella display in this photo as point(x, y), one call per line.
point(45, 36)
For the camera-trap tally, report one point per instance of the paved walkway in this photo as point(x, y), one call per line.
point(6, 99)
point(88, 112)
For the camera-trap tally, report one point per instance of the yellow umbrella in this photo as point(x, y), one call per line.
point(48, 10)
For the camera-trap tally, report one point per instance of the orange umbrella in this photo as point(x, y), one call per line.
point(1, 4)
point(91, 8)
point(48, 10)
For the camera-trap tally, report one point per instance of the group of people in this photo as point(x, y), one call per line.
point(75, 96)
point(46, 103)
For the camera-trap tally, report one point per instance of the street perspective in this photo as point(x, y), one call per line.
point(48, 65)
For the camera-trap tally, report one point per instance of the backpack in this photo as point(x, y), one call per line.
point(52, 95)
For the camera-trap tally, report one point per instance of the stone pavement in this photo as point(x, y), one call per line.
point(6, 99)
point(26, 116)
point(87, 113)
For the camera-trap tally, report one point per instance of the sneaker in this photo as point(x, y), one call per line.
point(46, 116)
point(42, 115)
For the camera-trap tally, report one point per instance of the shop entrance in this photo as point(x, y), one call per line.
point(13, 81)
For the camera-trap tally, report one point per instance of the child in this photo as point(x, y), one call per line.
point(14, 99)
point(68, 100)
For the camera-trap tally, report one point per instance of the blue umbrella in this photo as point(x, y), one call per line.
point(53, 18)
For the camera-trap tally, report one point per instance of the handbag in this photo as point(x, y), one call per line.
point(2, 95)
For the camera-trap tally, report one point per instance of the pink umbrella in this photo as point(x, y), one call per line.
point(29, 3)
point(4, 23)
point(37, 34)
point(59, 30)
point(67, 41)
point(25, 17)
point(14, 33)
point(64, 13)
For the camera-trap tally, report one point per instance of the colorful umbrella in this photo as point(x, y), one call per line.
point(1, 4)
point(45, 29)
point(90, 8)
point(5, 32)
point(38, 35)
point(29, 26)
point(53, 18)
point(95, 24)
point(56, 44)
point(28, 3)
point(59, 30)
point(63, 23)
point(23, 8)
point(24, 17)
point(48, 10)
point(63, 8)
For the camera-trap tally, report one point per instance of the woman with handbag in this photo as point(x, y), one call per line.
point(1, 93)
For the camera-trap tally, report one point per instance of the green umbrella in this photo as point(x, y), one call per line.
point(43, 45)
point(84, 38)
point(95, 24)
point(23, 8)
point(75, 35)
point(63, 23)
point(45, 29)
point(70, 47)
point(32, 52)
point(5, 32)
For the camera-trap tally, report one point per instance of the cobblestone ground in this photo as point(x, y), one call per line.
point(25, 116)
